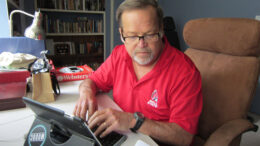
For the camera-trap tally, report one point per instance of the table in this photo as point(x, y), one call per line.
point(15, 124)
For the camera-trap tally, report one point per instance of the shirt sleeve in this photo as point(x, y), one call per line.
point(103, 76)
point(186, 101)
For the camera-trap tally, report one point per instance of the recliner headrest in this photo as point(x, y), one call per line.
point(234, 36)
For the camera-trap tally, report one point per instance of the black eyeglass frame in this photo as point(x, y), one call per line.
point(141, 37)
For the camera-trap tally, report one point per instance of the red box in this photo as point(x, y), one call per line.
point(12, 89)
point(73, 73)
point(13, 76)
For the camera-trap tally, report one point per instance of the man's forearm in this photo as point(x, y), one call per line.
point(88, 86)
point(169, 133)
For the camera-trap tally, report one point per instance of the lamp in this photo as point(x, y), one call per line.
point(35, 30)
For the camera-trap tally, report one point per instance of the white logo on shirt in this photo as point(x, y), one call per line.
point(154, 99)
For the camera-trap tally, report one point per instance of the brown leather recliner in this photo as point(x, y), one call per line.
point(225, 51)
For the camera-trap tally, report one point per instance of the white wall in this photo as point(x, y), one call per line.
point(4, 26)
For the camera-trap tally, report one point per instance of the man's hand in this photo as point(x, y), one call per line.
point(84, 104)
point(109, 120)
point(87, 100)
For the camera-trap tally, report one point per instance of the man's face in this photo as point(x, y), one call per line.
point(141, 22)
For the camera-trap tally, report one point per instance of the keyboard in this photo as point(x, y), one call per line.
point(112, 139)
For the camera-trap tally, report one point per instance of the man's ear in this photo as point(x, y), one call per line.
point(120, 30)
point(161, 34)
point(121, 36)
point(161, 31)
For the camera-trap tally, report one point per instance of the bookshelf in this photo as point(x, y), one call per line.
point(14, 3)
point(75, 31)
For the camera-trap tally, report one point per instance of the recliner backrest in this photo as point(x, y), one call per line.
point(225, 51)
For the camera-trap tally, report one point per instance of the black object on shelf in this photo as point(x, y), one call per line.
point(170, 32)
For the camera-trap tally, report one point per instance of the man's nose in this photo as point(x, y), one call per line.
point(142, 43)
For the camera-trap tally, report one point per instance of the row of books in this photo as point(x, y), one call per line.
point(79, 25)
point(74, 48)
point(61, 4)
point(93, 5)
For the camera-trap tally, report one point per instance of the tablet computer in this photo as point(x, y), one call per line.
point(64, 125)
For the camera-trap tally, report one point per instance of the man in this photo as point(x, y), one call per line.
point(157, 86)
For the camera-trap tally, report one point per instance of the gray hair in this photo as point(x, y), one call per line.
point(139, 4)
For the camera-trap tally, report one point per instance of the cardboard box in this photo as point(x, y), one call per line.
point(73, 73)
point(12, 89)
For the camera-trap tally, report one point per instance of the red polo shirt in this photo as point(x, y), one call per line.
point(170, 92)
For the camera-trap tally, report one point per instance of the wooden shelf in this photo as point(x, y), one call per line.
point(71, 60)
point(74, 34)
point(70, 11)
point(75, 56)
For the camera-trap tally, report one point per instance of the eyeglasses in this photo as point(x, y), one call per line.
point(148, 38)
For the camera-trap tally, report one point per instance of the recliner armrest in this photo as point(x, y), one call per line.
point(228, 131)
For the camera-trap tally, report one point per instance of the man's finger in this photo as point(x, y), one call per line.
point(101, 128)
point(75, 110)
point(96, 118)
point(91, 109)
point(108, 130)
point(83, 111)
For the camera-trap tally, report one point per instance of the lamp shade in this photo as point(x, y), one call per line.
point(35, 30)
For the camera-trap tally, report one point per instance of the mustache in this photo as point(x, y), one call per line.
point(137, 50)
